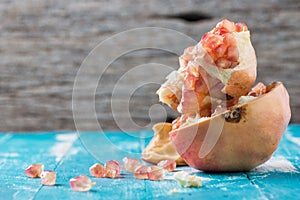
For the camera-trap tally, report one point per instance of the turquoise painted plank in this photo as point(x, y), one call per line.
point(19, 152)
point(70, 156)
point(78, 163)
point(215, 186)
point(115, 145)
point(280, 176)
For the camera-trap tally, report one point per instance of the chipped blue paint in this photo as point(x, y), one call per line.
point(69, 156)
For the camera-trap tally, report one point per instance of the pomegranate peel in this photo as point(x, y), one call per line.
point(247, 139)
point(160, 147)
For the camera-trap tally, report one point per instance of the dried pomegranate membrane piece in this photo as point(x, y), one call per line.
point(155, 173)
point(112, 169)
point(184, 179)
point(48, 177)
point(34, 170)
point(141, 172)
point(161, 147)
point(81, 183)
point(169, 165)
point(130, 164)
point(97, 170)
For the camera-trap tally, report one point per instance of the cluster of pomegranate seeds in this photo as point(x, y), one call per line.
point(155, 173)
point(221, 45)
point(130, 164)
point(97, 170)
point(34, 170)
point(48, 177)
point(112, 169)
point(141, 172)
point(169, 165)
point(81, 183)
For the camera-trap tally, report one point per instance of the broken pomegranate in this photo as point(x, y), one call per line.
point(224, 125)
point(34, 170)
point(48, 177)
point(97, 170)
point(169, 165)
point(130, 164)
point(81, 183)
point(112, 169)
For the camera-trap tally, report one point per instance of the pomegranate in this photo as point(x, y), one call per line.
point(224, 125)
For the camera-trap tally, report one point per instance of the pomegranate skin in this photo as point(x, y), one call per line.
point(245, 139)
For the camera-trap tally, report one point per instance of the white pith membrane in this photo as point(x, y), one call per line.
point(171, 91)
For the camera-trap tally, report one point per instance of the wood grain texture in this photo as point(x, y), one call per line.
point(43, 44)
point(68, 154)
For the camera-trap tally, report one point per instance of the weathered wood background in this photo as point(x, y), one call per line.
point(43, 44)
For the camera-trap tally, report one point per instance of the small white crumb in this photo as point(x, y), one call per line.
point(173, 191)
point(184, 179)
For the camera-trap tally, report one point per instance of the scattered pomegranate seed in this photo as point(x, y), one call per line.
point(112, 169)
point(130, 164)
point(81, 183)
point(141, 172)
point(97, 170)
point(155, 173)
point(48, 177)
point(169, 165)
point(34, 170)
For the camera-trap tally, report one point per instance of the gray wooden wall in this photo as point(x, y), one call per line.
point(43, 44)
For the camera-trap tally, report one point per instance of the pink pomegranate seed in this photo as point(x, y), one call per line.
point(48, 177)
point(34, 170)
point(112, 169)
point(155, 173)
point(169, 165)
point(97, 170)
point(81, 183)
point(141, 172)
point(130, 164)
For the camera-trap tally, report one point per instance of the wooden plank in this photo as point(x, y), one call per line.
point(280, 176)
point(64, 153)
point(41, 53)
point(79, 162)
point(23, 150)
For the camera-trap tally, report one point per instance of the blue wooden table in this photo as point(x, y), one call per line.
point(71, 154)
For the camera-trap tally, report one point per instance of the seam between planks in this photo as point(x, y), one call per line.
point(256, 186)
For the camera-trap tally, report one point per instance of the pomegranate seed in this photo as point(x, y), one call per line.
point(97, 170)
point(169, 165)
point(220, 51)
point(34, 170)
point(232, 54)
point(141, 172)
point(239, 27)
point(223, 63)
point(81, 183)
point(226, 26)
point(155, 173)
point(130, 164)
point(48, 177)
point(112, 169)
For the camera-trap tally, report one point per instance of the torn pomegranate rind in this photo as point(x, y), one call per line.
point(161, 147)
point(213, 74)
